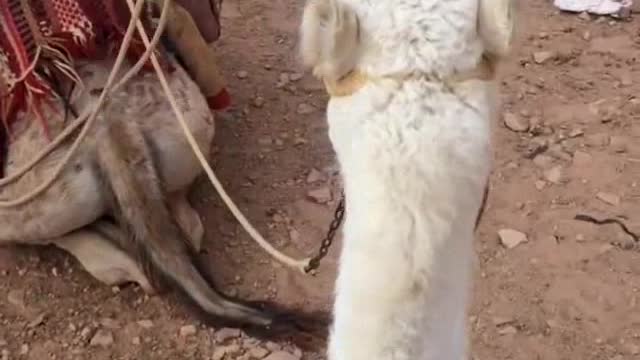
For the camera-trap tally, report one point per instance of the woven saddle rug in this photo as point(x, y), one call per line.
point(40, 39)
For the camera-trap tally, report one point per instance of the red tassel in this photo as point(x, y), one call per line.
point(220, 101)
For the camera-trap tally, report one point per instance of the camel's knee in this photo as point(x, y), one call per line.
point(188, 218)
point(329, 38)
point(496, 25)
point(102, 259)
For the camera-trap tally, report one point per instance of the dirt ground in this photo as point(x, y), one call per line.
point(552, 288)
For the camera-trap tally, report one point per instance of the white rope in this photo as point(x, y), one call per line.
point(91, 116)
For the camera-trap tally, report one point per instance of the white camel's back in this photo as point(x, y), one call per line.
point(411, 125)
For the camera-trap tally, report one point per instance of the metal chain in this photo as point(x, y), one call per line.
point(338, 216)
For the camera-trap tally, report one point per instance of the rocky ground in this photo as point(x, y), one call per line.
point(547, 286)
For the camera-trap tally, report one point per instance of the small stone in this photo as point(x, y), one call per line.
point(136, 340)
point(576, 133)
point(632, 349)
point(16, 298)
point(584, 16)
point(110, 324)
point(299, 141)
point(543, 161)
point(294, 236)
point(242, 74)
point(580, 238)
point(258, 352)
point(145, 324)
point(321, 195)
point(501, 321)
point(609, 198)
point(258, 102)
point(188, 330)
point(554, 175)
point(102, 338)
point(219, 353)
point(84, 333)
point(508, 330)
point(552, 323)
point(515, 122)
point(272, 346)
point(222, 351)
point(540, 184)
point(265, 141)
point(619, 144)
point(282, 355)
point(605, 248)
point(225, 334)
point(295, 76)
point(582, 158)
point(541, 57)
point(37, 321)
point(305, 109)
point(24, 349)
point(511, 238)
point(315, 176)
point(597, 140)
point(283, 79)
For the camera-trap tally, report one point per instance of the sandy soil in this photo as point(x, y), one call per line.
point(555, 288)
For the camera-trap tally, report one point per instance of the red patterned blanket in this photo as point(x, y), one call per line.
point(39, 40)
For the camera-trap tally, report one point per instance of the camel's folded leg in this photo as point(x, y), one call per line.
point(102, 258)
point(188, 218)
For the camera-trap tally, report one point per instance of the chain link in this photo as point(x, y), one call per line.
point(338, 216)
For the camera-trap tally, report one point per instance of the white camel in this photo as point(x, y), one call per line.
point(412, 99)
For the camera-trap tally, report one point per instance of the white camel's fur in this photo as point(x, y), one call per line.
point(66, 214)
point(415, 157)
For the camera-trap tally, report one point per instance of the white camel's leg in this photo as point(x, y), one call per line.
point(187, 217)
point(102, 259)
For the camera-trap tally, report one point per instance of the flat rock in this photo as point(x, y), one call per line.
point(619, 144)
point(315, 176)
point(226, 334)
point(515, 123)
point(321, 195)
point(258, 353)
point(541, 57)
point(304, 109)
point(581, 158)
point(597, 140)
point(102, 338)
point(146, 324)
point(188, 330)
point(222, 351)
point(609, 198)
point(554, 175)
point(16, 298)
point(511, 238)
point(543, 161)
